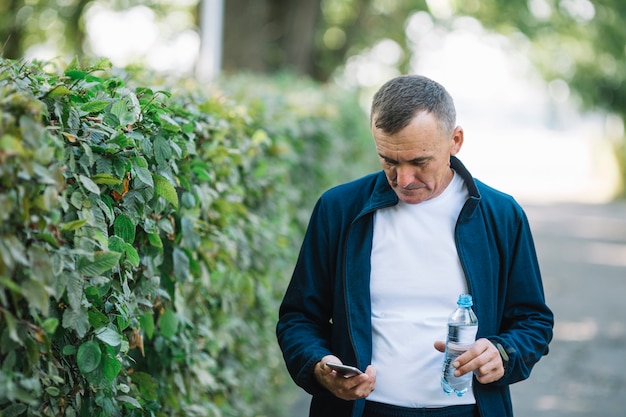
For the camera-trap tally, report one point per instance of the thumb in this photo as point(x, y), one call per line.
point(328, 358)
point(440, 346)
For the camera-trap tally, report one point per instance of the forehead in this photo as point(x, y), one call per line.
point(422, 134)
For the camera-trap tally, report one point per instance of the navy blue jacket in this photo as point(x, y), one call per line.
point(326, 308)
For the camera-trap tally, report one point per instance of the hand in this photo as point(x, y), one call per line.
point(482, 358)
point(355, 387)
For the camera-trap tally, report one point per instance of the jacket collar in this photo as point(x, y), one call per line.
point(474, 195)
point(382, 196)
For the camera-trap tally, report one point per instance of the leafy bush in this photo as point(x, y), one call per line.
point(146, 238)
point(321, 129)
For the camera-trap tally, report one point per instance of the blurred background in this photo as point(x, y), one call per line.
point(539, 79)
point(540, 91)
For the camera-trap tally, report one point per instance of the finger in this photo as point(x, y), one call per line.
point(364, 384)
point(328, 358)
point(440, 346)
point(488, 365)
point(491, 375)
point(359, 386)
point(477, 356)
point(482, 349)
point(491, 371)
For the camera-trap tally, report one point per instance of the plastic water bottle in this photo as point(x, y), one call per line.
point(462, 328)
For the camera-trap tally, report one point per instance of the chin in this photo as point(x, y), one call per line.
point(414, 197)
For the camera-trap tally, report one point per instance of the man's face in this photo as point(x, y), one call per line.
point(416, 159)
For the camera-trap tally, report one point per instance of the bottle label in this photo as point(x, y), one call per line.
point(460, 338)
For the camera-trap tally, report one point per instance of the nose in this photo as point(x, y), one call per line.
point(404, 177)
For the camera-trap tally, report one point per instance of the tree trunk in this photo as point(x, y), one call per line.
point(75, 29)
point(298, 20)
point(10, 30)
point(270, 35)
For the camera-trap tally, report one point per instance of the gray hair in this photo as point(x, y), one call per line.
point(398, 101)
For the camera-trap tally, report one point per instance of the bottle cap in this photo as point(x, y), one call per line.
point(465, 300)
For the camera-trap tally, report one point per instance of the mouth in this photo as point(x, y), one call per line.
point(409, 190)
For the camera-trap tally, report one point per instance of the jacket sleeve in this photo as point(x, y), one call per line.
point(526, 321)
point(304, 326)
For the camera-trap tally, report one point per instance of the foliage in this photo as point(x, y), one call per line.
point(145, 241)
point(578, 43)
point(333, 141)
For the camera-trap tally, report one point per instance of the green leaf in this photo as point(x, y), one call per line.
point(155, 240)
point(69, 350)
point(106, 179)
point(140, 161)
point(88, 357)
point(36, 294)
point(94, 106)
point(12, 145)
point(109, 336)
point(101, 64)
point(147, 323)
point(168, 323)
point(189, 200)
point(89, 184)
point(73, 225)
point(75, 290)
point(147, 385)
point(97, 318)
point(75, 74)
point(168, 124)
point(41, 267)
point(62, 278)
point(111, 366)
point(120, 109)
point(77, 320)
point(15, 249)
point(162, 150)
point(131, 255)
point(14, 410)
point(59, 91)
point(117, 244)
point(124, 227)
point(122, 319)
point(11, 324)
point(128, 400)
point(181, 264)
point(77, 199)
point(50, 325)
point(144, 175)
point(102, 262)
point(165, 189)
point(9, 284)
point(96, 378)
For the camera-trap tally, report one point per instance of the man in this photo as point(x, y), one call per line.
point(382, 264)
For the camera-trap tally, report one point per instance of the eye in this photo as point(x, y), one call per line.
point(389, 162)
point(420, 162)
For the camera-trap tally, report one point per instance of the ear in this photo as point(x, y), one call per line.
point(457, 140)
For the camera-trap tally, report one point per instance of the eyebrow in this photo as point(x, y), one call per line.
point(418, 160)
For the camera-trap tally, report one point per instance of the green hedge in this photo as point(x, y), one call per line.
point(147, 235)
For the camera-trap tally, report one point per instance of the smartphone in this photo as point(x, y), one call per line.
point(344, 370)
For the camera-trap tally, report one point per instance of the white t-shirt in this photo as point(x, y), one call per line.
point(415, 282)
